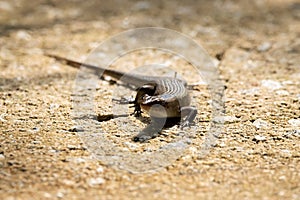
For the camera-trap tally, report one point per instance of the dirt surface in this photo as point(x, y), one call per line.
point(256, 157)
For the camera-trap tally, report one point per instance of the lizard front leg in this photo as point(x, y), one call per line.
point(147, 89)
point(137, 108)
point(156, 107)
point(151, 131)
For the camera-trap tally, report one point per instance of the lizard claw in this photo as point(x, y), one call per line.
point(143, 137)
point(137, 111)
point(186, 123)
point(151, 131)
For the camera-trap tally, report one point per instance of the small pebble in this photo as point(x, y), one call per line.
point(187, 157)
point(2, 117)
point(292, 133)
point(77, 160)
point(148, 149)
point(68, 182)
point(2, 157)
point(193, 150)
point(294, 122)
point(259, 123)
point(250, 64)
point(282, 93)
point(48, 195)
point(176, 145)
point(96, 181)
point(51, 151)
point(226, 119)
point(282, 178)
point(259, 138)
point(76, 129)
point(222, 144)
point(270, 84)
point(23, 35)
point(239, 149)
point(53, 106)
point(60, 195)
point(286, 151)
point(264, 46)
point(251, 91)
point(289, 82)
point(100, 170)
point(131, 145)
point(55, 67)
point(281, 193)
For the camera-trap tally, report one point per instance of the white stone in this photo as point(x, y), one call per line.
point(259, 123)
point(226, 119)
point(79, 160)
point(68, 182)
point(260, 138)
point(60, 195)
point(282, 178)
point(250, 64)
point(294, 122)
point(55, 67)
point(286, 151)
point(96, 181)
point(264, 46)
point(131, 145)
point(270, 84)
point(23, 35)
point(48, 195)
point(282, 92)
point(53, 106)
point(100, 169)
point(288, 82)
point(250, 91)
point(193, 150)
point(2, 117)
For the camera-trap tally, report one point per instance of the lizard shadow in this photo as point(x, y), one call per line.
point(154, 127)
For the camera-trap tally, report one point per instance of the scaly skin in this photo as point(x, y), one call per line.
point(161, 97)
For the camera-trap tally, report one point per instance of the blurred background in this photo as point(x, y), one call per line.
point(218, 23)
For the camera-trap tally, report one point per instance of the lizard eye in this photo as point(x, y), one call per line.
point(147, 89)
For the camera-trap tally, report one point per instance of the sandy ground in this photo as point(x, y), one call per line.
point(256, 157)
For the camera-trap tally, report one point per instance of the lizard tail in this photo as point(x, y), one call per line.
point(67, 61)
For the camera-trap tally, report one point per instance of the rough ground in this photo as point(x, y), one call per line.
point(257, 156)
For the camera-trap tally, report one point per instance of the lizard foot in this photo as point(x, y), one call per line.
point(137, 110)
point(151, 131)
point(143, 137)
point(186, 123)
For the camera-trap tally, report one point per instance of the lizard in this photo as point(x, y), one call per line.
point(160, 97)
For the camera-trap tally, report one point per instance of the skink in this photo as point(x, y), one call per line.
point(161, 97)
